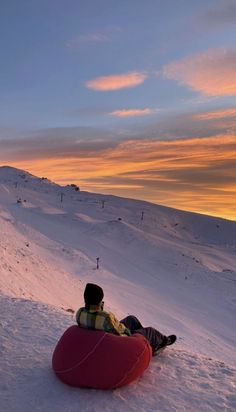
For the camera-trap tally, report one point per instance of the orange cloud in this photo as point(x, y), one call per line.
point(196, 174)
point(133, 112)
point(212, 73)
point(116, 82)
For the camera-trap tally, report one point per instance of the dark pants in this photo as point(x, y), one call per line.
point(154, 337)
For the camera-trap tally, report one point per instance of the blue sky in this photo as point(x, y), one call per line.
point(90, 75)
point(50, 49)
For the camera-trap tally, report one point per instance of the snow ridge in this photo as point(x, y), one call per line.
point(174, 270)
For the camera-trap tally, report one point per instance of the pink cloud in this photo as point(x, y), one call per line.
point(216, 114)
point(212, 73)
point(133, 112)
point(116, 82)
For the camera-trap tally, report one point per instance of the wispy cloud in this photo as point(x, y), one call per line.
point(216, 114)
point(133, 112)
point(220, 15)
point(185, 161)
point(116, 82)
point(84, 141)
point(187, 125)
point(191, 174)
point(102, 36)
point(212, 73)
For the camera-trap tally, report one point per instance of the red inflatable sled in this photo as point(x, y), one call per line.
point(100, 360)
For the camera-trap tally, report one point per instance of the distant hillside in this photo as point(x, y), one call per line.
point(175, 270)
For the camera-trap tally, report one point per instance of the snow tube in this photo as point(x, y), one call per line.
point(96, 359)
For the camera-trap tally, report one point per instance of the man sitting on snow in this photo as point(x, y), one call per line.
point(92, 316)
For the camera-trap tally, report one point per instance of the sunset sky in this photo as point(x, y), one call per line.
point(130, 97)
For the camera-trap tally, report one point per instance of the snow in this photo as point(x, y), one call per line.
point(175, 270)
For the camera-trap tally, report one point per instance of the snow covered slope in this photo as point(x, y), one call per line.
point(174, 270)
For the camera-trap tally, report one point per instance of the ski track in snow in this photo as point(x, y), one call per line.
point(174, 270)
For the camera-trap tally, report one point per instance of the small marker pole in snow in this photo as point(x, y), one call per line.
point(103, 204)
point(142, 215)
point(62, 194)
point(97, 262)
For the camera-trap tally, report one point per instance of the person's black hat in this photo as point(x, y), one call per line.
point(93, 294)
